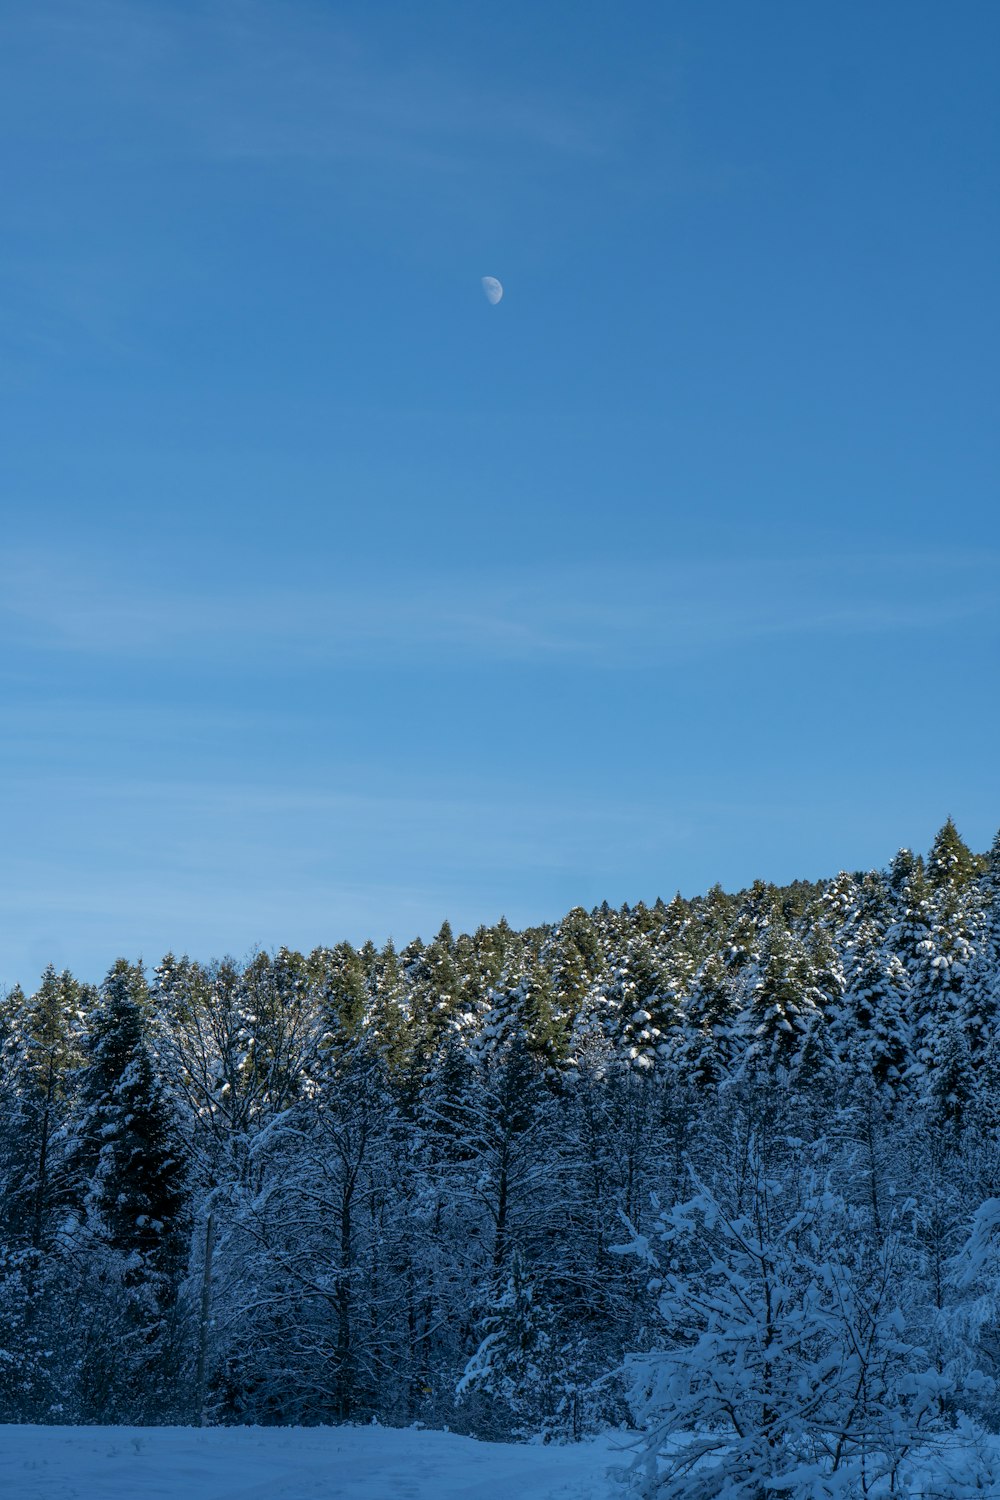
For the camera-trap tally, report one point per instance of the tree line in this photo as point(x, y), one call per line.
point(442, 1183)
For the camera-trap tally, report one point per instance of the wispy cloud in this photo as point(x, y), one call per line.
point(253, 81)
point(207, 99)
point(608, 617)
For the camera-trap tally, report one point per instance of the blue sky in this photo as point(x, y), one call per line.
point(337, 601)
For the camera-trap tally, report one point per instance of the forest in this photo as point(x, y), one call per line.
point(723, 1169)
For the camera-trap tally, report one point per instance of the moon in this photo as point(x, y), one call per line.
point(493, 289)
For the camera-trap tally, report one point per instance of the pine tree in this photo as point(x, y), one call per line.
point(649, 1003)
point(909, 938)
point(124, 1160)
point(708, 1043)
point(41, 1051)
point(523, 1361)
point(387, 1021)
point(337, 978)
point(567, 962)
point(435, 996)
point(783, 1010)
point(905, 867)
point(937, 965)
point(872, 1033)
point(746, 937)
point(951, 1085)
point(127, 1159)
point(950, 861)
point(840, 904)
point(546, 1032)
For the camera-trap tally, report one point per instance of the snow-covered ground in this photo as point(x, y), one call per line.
point(301, 1463)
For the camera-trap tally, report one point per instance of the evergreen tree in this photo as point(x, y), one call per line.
point(950, 861)
point(905, 867)
point(387, 1018)
point(568, 963)
point(783, 1010)
point(545, 1027)
point(523, 1361)
point(339, 978)
point(708, 1043)
point(937, 965)
point(435, 996)
point(840, 904)
point(909, 938)
point(127, 1159)
point(649, 1004)
point(872, 1033)
point(41, 1050)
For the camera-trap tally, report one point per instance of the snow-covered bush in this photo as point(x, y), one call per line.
point(973, 1315)
point(782, 1365)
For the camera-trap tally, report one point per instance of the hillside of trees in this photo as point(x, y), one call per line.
point(488, 1181)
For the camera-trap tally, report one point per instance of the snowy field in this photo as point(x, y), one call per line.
point(302, 1463)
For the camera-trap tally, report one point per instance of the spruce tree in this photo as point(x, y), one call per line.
point(337, 977)
point(950, 862)
point(523, 1361)
point(783, 1010)
point(649, 1005)
point(872, 1034)
point(708, 1042)
point(127, 1159)
point(546, 1030)
point(387, 1021)
point(435, 995)
point(42, 1050)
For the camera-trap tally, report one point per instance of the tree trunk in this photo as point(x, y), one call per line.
point(204, 1317)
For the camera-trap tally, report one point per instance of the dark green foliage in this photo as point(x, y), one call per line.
point(435, 996)
point(340, 976)
point(783, 1011)
point(950, 862)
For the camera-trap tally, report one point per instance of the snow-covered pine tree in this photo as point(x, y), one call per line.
point(41, 1051)
point(338, 980)
point(435, 996)
point(124, 1160)
point(647, 1005)
point(872, 1036)
point(950, 861)
point(708, 1044)
point(782, 1016)
point(980, 1001)
point(525, 1362)
point(387, 1022)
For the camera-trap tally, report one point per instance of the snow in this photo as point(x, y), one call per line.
point(294, 1463)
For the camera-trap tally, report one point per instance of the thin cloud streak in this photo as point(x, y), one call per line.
point(256, 84)
point(510, 829)
point(601, 619)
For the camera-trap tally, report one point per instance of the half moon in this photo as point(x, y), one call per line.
point(493, 289)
